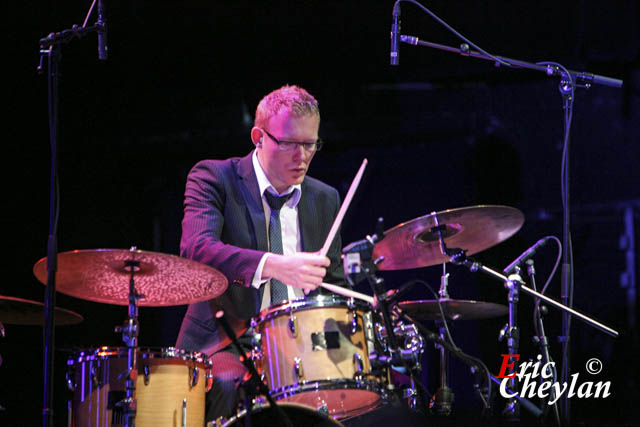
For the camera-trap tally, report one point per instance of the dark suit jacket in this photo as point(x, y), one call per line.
point(224, 226)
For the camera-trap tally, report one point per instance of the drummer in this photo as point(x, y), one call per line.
point(258, 219)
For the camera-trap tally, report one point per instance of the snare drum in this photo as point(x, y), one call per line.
point(166, 377)
point(315, 351)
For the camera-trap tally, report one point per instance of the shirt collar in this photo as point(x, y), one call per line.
point(265, 185)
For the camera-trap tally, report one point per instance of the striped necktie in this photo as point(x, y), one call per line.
point(278, 289)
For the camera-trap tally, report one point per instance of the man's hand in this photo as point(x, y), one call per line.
point(304, 270)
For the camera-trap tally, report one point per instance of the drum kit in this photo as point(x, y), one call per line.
point(326, 358)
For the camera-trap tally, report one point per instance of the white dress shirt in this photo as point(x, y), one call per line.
point(290, 227)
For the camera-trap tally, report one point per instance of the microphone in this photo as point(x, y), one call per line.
point(395, 35)
point(526, 255)
point(102, 33)
point(393, 295)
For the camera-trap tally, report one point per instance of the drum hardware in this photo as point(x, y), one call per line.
point(94, 378)
point(194, 376)
point(442, 401)
point(147, 373)
point(358, 364)
point(297, 368)
point(361, 262)
point(129, 332)
point(293, 325)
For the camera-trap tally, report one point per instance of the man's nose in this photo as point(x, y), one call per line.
point(300, 152)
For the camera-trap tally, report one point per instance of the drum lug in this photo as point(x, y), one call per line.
point(323, 408)
point(71, 385)
point(147, 373)
point(297, 367)
point(256, 350)
point(194, 376)
point(94, 377)
point(354, 323)
point(293, 325)
point(358, 364)
point(209, 380)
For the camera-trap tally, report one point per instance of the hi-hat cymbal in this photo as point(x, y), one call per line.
point(18, 311)
point(454, 309)
point(415, 244)
point(101, 275)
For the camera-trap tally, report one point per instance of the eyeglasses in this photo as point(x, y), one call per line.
point(291, 145)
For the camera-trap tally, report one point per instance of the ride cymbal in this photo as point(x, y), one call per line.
point(415, 243)
point(102, 275)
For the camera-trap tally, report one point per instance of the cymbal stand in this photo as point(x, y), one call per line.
point(442, 401)
point(130, 331)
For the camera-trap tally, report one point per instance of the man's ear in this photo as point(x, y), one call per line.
point(257, 136)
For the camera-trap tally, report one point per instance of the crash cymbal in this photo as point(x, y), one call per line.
point(414, 244)
point(454, 309)
point(18, 311)
point(101, 275)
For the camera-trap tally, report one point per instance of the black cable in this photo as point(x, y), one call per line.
point(457, 34)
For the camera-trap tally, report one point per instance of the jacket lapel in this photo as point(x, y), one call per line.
point(248, 184)
point(309, 230)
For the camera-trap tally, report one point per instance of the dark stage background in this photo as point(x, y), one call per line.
point(440, 131)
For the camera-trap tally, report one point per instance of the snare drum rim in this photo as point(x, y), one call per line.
point(328, 384)
point(105, 352)
point(341, 384)
point(319, 301)
point(258, 407)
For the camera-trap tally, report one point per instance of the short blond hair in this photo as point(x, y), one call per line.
point(295, 99)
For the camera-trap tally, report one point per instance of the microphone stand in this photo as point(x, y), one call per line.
point(50, 48)
point(432, 336)
point(569, 80)
point(259, 387)
point(512, 410)
point(541, 338)
point(460, 258)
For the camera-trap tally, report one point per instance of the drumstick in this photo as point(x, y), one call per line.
point(347, 292)
point(343, 209)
